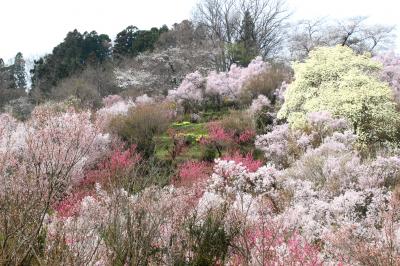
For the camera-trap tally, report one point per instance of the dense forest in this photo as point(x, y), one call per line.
point(236, 137)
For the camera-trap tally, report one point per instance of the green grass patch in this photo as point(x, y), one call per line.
point(192, 132)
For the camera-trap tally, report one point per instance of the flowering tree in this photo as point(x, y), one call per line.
point(144, 99)
point(262, 112)
point(190, 92)
point(229, 84)
point(391, 72)
point(43, 158)
point(259, 104)
point(116, 227)
point(283, 145)
point(345, 84)
point(220, 138)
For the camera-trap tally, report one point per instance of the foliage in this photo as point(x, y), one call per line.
point(112, 172)
point(72, 55)
point(345, 84)
point(266, 83)
point(132, 41)
point(192, 172)
point(283, 145)
point(12, 80)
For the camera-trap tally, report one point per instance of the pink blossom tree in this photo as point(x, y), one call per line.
point(230, 84)
point(44, 158)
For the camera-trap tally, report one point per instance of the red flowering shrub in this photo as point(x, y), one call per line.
point(246, 160)
point(221, 138)
point(192, 172)
point(247, 136)
point(69, 206)
point(119, 163)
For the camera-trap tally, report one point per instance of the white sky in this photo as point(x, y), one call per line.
point(34, 27)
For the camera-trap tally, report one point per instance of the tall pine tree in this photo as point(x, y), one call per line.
point(245, 49)
point(19, 73)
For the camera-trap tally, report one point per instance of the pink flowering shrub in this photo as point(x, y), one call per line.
point(114, 105)
point(231, 177)
point(270, 245)
point(110, 100)
point(191, 89)
point(217, 137)
point(246, 136)
point(69, 206)
point(259, 104)
point(192, 172)
point(227, 135)
point(148, 226)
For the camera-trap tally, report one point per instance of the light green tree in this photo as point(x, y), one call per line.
point(337, 80)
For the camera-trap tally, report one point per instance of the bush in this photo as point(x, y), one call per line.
point(337, 80)
point(79, 88)
point(237, 122)
point(210, 239)
point(209, 154)
point(141, 124)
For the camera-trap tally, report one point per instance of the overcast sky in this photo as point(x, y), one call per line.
point(35, 27)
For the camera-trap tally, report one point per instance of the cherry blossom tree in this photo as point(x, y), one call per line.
point(44, 158)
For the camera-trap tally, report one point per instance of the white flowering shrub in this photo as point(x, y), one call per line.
point(144, 99)
point(259, 104)
point(337, 80)
point(283, 145)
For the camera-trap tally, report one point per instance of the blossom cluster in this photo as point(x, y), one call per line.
point(230, 84)
point(226, 85)
point(391, 71)
point(191, 89)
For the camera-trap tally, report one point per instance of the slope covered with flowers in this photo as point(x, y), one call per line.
point(134, 183)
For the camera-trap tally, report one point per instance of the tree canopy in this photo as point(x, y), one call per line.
point(337, 80)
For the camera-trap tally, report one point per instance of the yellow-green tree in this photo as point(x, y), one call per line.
point(337, 80)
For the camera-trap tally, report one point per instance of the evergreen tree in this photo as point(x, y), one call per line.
point(246, 47)
point(132, 41)
point(124, 40)
point(18, 71)
point(72, 55)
